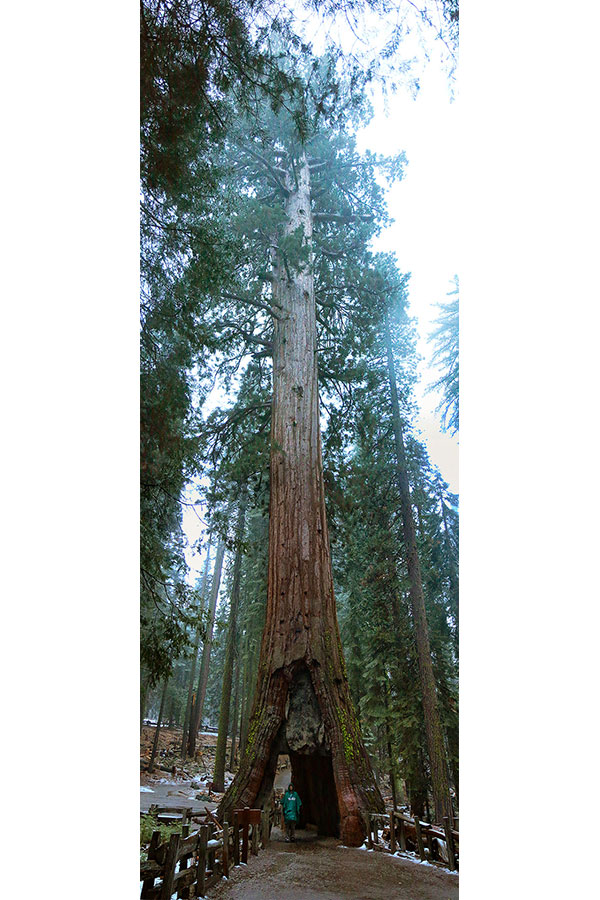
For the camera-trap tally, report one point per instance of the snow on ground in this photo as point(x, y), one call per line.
point(408, 856)
point(412, 857)
point(146, 790)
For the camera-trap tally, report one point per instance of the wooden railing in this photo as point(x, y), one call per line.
point(189, 863)
point(423, 835)
point(174, 815)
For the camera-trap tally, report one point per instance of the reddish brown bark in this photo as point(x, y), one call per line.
point(303, 705)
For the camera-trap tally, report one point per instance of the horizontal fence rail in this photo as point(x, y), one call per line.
point(427, 838)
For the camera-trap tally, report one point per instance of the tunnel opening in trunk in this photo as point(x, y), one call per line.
point(312, 777)
point(302, 738)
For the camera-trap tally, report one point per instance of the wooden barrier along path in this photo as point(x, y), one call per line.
point(420, 833)
point(189, 864)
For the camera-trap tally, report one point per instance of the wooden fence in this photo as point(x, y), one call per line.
point(189, 863)
point(423, 835)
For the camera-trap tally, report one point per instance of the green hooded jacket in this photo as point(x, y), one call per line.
point(291, 804)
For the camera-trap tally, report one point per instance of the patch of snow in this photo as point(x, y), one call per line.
point(412, 857)
point(146, 790)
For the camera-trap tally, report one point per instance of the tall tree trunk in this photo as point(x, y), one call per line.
point(236, 712)
point(143, 699)
point(433, 729)
point(303, 705)
point(203, 677)
point(158, 724)
point(190, 697)
point(388, 741)
point(219, 774)
point(246, 699)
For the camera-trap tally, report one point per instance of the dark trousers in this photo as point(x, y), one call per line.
point(290, 829)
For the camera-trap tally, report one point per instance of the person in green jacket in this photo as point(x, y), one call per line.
point(291, 804)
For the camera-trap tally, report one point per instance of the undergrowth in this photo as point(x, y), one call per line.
point(148, 824)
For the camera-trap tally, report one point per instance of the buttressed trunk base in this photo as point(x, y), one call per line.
point(330, 768)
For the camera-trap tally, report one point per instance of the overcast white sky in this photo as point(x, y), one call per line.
point(424, 234)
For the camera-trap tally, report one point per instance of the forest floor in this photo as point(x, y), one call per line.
point(312, 868)
point(166, 787)
point(323, 869)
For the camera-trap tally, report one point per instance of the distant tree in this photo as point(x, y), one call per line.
point(230, 645)
point(445, 356)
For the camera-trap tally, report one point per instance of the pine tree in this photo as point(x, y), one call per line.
point(445, 356)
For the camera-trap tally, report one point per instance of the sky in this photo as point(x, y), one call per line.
point(424, 235)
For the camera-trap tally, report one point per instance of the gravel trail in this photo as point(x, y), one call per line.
point(322, 869)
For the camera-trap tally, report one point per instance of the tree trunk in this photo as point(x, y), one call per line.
point(190, 697)
point(219, 774)
point(247, 693)
point(143, 699)
point(203, 677)
point(158, 723)
point(388, 741)
point(236, 713)
point(433, 729)
point(302, 705)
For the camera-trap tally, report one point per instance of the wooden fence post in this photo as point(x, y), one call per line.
point(392, 833)
point(265, 828)
point(183, 863)
point(402, 835)
point(201, 867)
point(420, 846)
point(431, 845)
point(225, 854)
point(450, 843)
point(245, 838)
point(211, 853)
point(369, 834)
point(236, 840)
point(154, 842)
point(169, 871)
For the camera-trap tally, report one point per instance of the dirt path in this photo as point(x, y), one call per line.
point(321, 869)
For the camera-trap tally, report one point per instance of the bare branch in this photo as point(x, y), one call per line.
point(253, 302)
point(274, 171)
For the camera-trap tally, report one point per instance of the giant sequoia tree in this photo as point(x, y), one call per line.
point(256, 217)
point(313, 203)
